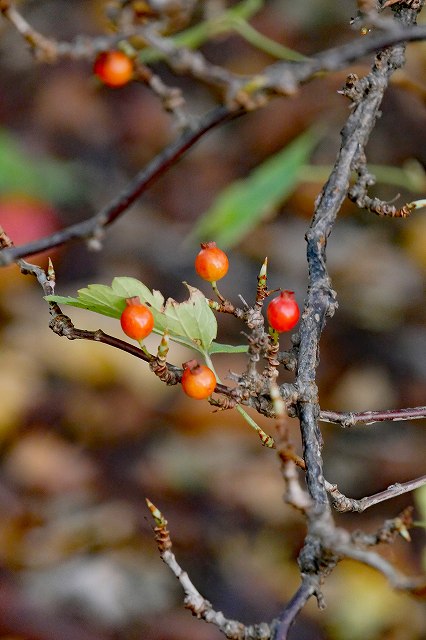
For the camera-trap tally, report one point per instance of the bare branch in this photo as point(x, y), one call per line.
point(50, 50)
point(295, 496)
point(320, 302)
point(349, 419)
point(183, 60)
point(325, 545)
point(343, 504)
point(194, 601)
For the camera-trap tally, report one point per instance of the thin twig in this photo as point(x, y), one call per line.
point(194, 601)
point(344, 504)
point(349, 418)
point(374, 560)
point(388, 531)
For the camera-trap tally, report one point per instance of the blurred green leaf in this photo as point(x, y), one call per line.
point(46, 179)
point(242, 205)
point(420, 497)
point(258, 40)
point(195, 36)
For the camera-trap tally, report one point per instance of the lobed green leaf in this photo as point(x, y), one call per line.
point(191, 322)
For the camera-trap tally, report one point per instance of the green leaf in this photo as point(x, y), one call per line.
point(216, 347)
point(243, 205)
point(258, 40)
point(34, 176)
point(192, 322)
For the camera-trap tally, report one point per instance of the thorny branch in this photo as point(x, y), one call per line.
point(325, 544)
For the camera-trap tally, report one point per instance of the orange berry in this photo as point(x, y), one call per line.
point(114, 68)
point(198, 381)
point(136, 320)
point(211, 263)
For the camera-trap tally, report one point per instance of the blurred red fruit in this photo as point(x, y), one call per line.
point(26, 218)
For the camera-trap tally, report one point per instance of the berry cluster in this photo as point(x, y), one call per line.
point(198, 380)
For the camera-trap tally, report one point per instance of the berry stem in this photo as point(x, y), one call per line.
point(217, 292)
point(145, 350)
point(266, 439)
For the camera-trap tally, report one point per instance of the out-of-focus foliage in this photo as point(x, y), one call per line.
point(40, 177)
point(241, 207)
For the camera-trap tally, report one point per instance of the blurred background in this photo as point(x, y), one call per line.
point(87, 432)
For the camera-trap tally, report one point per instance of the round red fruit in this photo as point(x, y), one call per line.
point(198, 381)
point(136, 320)
point(211, 263)
point(283, 312)
point(114, 68)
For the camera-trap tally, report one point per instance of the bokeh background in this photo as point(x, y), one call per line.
point(87, 432)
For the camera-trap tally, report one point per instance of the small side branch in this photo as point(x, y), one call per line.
point(199, 606)
point(50, 50)
point(343, 504)
point(349, 419)
point(379, 207)
point(374, 560)
point(390, 529)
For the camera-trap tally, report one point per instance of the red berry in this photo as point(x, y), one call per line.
point(211, 263)
point(114, 68)
point(136, 320)
point(283, 311)
point(198, 381)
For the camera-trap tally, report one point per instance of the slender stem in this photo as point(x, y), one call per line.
point(266, 439)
